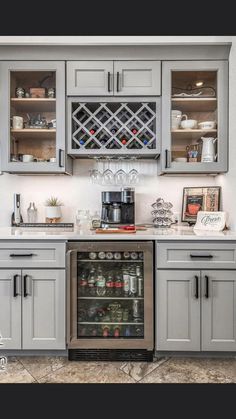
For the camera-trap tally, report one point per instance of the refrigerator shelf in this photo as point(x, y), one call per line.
point(107, 323)
point(111, 260)
point(111, 298)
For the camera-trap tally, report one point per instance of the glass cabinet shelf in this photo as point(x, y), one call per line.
point(121, 323)
point(110, 298)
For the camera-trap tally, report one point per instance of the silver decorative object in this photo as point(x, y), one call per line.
point(51, 92)
point(162, 213)
point(20, 92)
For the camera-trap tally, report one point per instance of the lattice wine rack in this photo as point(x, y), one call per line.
point(102, 128)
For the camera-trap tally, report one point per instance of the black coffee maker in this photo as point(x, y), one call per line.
point(118, 208)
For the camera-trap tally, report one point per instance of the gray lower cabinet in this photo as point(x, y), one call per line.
point(32, 309)
point(43, 310)
point(10, 310)
point(195, 310)
point(219, 310)
point(177, 311)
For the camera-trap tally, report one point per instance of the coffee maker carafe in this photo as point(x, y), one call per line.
point(118, 207)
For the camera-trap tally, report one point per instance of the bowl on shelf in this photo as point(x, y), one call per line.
point(188, 124)
point(207, 125)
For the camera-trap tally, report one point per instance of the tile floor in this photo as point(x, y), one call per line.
point(163, 370)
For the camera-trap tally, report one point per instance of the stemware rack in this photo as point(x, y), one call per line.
point(114, 128)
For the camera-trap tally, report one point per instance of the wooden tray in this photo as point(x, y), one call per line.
point(112, 231)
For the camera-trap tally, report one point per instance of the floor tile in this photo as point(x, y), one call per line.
point(15, 373)
point(88, 372)
point(138, 370)
point(190, 370)
point(38, 367)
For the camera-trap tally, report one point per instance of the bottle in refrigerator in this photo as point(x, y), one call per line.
point(140, 255)
point(100, 283)
point(118, 286)
point(127, 332)
point(92, 282)
point(136, 310)
point(126, 284)
point(83, 283)
point(110, 286)
point(116, 332)
point(140, 286)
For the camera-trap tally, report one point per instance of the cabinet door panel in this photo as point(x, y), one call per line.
point(178, 311)
point(10, 311)
point(44, 309)
point(89, 78)
point(137, 78)
point(219, 311)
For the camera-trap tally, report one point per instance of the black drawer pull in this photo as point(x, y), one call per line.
point(22, 255)
point(117, 81)
point(109, 81)
point(201, 256)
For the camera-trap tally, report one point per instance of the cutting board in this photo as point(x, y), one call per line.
point(112, 231)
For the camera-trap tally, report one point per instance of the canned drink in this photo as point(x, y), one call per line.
point(117, 255)
point(133, 284)
point(101, 255)
point(126, 255)
point(109, 255)
point(140, 286)
point(92, 255)
point(136, 309)
point(140, 255)
point(134, 255)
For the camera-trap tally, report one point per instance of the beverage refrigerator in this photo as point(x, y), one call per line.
point(110, 300)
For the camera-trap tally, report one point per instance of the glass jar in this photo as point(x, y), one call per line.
point(83, 219)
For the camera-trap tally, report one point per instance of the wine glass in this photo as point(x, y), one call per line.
point(108, 175)
point(96, 176)
point(120, 177)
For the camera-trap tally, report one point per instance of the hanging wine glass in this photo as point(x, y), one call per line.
point(133, 175)
point(108, 175)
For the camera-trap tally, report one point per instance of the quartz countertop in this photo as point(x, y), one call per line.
point(173, 233)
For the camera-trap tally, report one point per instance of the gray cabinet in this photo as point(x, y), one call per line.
point(10, 309)
point(219, 310)
point(113, 78)
point(137, 78)
point(198, 90)
point(178, 310)
point(45, 147)
point(89, 78)
point(43, 311)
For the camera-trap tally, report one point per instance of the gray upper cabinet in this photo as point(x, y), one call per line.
point(193, 93)
point(31, 144)
point(219, 310)
point(137, 78)
point(90, 78)
point(113, 78)
point(10, 309)
point(43, 314)
point(178, 311)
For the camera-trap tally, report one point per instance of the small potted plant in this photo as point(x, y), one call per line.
point(53, 210)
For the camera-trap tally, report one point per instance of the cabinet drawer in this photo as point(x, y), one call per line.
point(196, 255)
point(32, 254)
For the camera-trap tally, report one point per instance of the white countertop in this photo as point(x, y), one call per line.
point(174, 233)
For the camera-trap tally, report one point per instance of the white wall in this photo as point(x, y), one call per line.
point(78, 192)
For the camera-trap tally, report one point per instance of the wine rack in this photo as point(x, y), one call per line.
point(114, 128)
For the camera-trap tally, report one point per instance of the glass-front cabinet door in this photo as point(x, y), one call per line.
point(32, 97)
point(194, 116)
point(111, 296)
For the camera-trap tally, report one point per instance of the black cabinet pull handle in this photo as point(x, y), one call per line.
point(15, 291)
point(117, 81)
point(201, 256)
point(61, 164)
point(26, 291)
point(22, 255)
point(196, 287)
point(167, 155)
point(109, 81)
point(207, 286)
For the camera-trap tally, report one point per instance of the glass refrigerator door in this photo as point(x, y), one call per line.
point(110, 295)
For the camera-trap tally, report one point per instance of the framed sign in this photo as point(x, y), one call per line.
point(199, 199)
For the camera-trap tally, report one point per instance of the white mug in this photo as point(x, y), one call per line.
point(27, 158)
point(188, 123)
point(17, 122)
point(175, 119)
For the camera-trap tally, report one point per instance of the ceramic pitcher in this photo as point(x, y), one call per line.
point(208, 149)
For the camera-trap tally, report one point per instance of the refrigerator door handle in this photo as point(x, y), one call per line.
point(68, 292)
